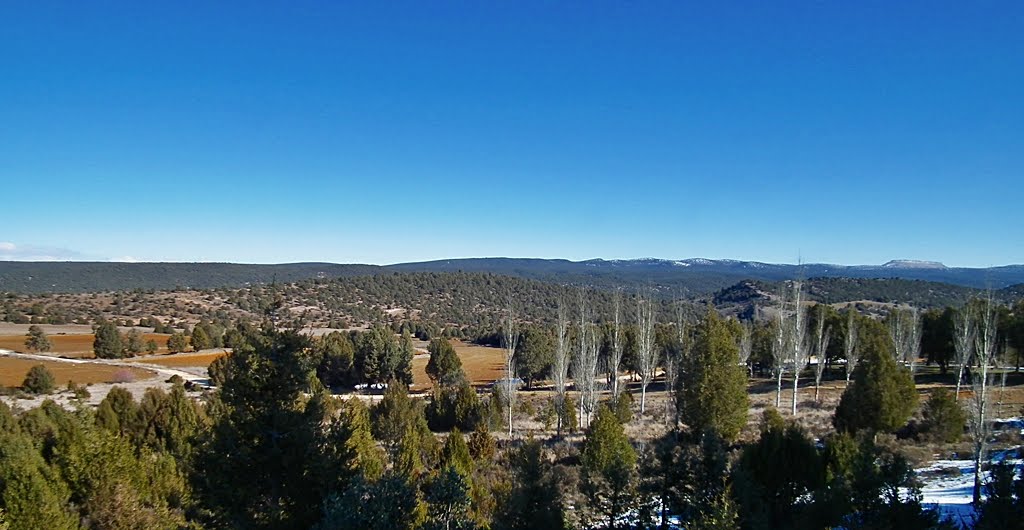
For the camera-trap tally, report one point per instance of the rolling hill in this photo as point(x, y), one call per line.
point(687, 278)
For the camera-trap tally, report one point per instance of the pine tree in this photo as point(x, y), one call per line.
point(36, 340)
point(713, 393)
point(881, 396)
point(108, 343)
point(444, 366)
point(608, 466)
point(31, 492)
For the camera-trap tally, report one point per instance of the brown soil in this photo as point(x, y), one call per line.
point(12, 372)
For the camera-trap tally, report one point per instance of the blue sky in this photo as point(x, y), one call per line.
point(381, 132)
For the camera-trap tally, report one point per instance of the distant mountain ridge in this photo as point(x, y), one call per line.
point(688, 277)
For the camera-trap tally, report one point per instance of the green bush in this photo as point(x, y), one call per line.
point(39, 380)
point(944, 419)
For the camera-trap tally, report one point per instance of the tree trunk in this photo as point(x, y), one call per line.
point(796, 384)
point(778, 390)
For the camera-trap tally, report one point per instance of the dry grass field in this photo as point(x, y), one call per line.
point(482, 364)
point(180, 360)
point(13, 370)
point(77, 345)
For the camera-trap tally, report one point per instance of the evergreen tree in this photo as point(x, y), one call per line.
point(713, 393)
point(534, 354)
point(386, 504)
point(261, 464)
point(881, 396)
point(1003, 508)
point(116, 486)
point(108, 343)
point(36, 340)
point(535, 500)
point(200, 338)
point(118, 412)
point(39, 380)
point(133, 344)
point(455, 454)
point(448, 501)
point(444, 366)
point(943, 419)
point(335, 357)
point(31, 492)
point(777, 474)
point(608, 466)
point(177, 342)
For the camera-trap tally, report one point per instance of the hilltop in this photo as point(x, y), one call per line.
point(686, 278)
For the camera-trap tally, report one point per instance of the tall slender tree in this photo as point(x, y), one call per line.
point(985, 353)
point(647, 352)
point(964, 332)
point(798, 339)
point(560, 369)
point(584, 363)
point(780, 347)
point(746, 343)
point(618, 342)
point(511, 331)
point(822, 335)
point(850, 350)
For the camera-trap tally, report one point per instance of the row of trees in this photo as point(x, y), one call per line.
point(272, 449)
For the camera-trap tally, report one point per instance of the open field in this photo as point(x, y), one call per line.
point(73, 345)
point(482, 364)
point(178, 360)
point(13, 370)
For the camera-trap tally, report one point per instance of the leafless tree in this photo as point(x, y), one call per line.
point(674, 361)
point(560, 368)
point(511, 330)
point(963, 342)
point(780, 348)
point(746, 344)
point(985, 350)
point(798, 339)
point(850, 343)
point(647, 352)
point(905, 331)
point(584, 363)
point(822, 337)
point(618, 342)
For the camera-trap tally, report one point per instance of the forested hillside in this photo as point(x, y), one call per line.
point(685, 278)
point(441, 299)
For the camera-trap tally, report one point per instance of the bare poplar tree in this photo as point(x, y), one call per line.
point(963, 342)
point(780, 348)
point(618, 342)
point(905, 332)
point(746, 344)
point(674, 362)
point(850, 343)
point(798, 339)
point(511, 330)
point(560, 368)
point(985, 350)
point(584, 362)
point(647, 353)
point(822, 337)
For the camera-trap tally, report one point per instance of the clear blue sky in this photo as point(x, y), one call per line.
point(844, 132)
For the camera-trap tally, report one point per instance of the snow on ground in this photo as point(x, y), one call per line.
point(948, 485)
